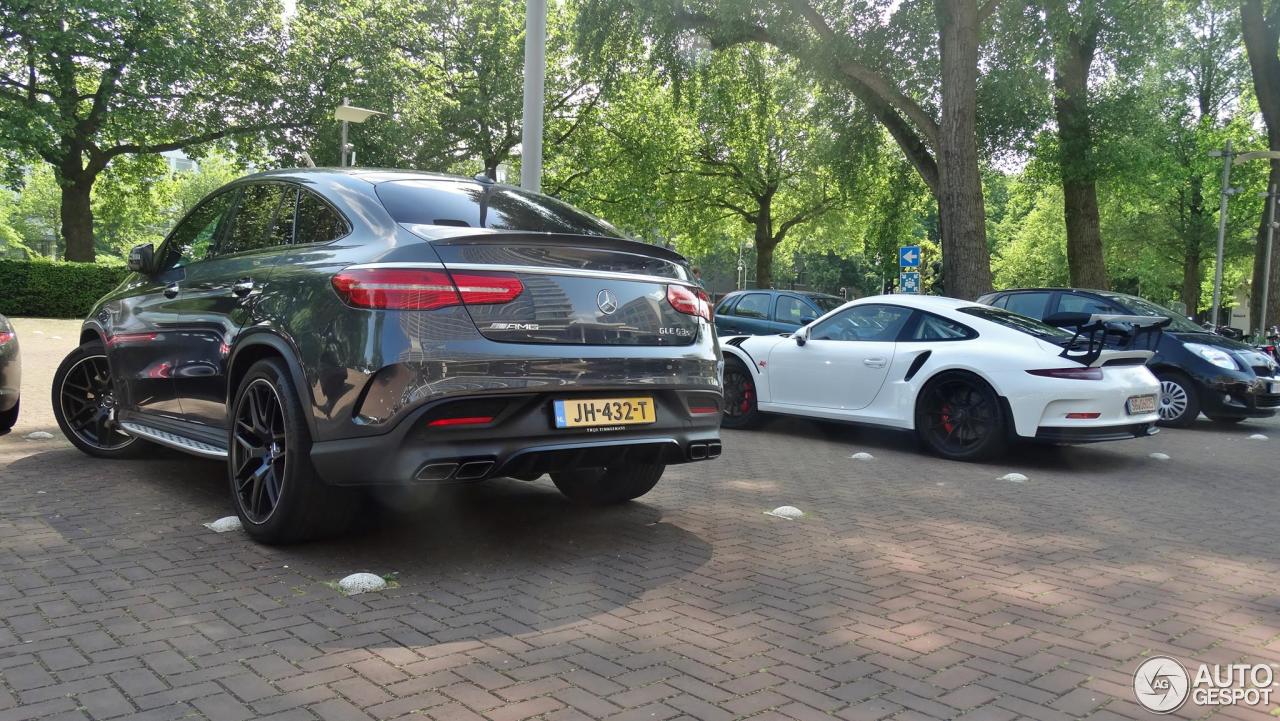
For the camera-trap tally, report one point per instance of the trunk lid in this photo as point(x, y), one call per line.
point(583, 290)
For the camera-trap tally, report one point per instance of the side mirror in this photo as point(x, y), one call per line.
point(801, 336)
point(142, 258)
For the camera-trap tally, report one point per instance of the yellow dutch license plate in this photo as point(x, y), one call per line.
point(596, 412)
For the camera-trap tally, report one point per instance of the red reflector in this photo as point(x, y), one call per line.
point(1080, 373)
point(396, 288)
point(690, 301)
point(123, 338)
point(5, 336)
point(487, 288)
point(703, 410)
point(1083, 416)
point(464, 421)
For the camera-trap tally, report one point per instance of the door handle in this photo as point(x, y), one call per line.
point(874, 362)
point(242, 287)
point(171, 290)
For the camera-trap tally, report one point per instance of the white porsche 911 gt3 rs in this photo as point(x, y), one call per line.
point(967, 378)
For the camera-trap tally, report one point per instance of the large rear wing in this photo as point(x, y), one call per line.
point(1117, 336)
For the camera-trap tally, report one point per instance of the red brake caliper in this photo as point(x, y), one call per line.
point(946, 417)
point(748, 392)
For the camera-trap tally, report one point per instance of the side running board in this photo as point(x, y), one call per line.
point(173, 440)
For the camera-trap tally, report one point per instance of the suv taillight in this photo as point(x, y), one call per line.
point(422, 288)
point(689, 301)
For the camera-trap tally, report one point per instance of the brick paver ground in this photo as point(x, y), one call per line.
point(914, 588)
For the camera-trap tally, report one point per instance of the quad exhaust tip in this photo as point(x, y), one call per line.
point(704, 451)
point(473, 470)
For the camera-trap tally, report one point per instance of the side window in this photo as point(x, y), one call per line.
point(282, 226)
point(934, 328)
point(317, 222)
point(791, 309)
point(1031, 305)
point(1071, 303)
point(1000, 301)
point(873, 322)
point(726, 304)
point(753, 305)
point(192, 240)
point(253, 219)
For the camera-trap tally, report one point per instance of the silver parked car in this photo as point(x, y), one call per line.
point(10, 375)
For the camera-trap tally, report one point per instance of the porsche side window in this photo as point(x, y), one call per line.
point(936, 328)
point(863, 323)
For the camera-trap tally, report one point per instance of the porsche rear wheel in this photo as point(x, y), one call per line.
point(740, 409)
point(960, 417)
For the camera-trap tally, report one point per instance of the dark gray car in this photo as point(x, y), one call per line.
point(10, 376)
point(324, 329)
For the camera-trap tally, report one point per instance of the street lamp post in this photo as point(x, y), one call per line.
point(1226, 156)
point(350, 114)
point(1266, 276)
point(535, 70)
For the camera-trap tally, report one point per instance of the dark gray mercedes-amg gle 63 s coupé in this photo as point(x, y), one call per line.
point(326, 329)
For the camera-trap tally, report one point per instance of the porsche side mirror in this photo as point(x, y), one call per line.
point(141, 258)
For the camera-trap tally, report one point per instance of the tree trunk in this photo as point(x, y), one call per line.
point(1072, 60)
point(77, 220)
point(966, 260)
point(1260, 265)
point(1193, 247)
point(1191, 278)
point(1260, 42)
point(765, 244)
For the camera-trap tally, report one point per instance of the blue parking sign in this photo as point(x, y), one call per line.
point(909, 256)
point(909, 282)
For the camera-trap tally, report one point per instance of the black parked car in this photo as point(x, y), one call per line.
point(323, 329)
point(1199, 371)
point(766, 312)
point(10, 376)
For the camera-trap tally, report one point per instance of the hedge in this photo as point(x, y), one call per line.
point(45, 289)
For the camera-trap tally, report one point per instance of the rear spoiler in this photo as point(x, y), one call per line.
point(1137, 336)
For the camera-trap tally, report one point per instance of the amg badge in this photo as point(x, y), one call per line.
point(514, 326)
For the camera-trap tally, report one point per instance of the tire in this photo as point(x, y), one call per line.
point(1227, 420)
point(9, 418)
point(740, 409)
point(1179, 404)
point(274, 487)
point(960, 417)
point(608, 486)
point(85, 407)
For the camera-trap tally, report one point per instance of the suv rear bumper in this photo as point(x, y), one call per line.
point(520, 441)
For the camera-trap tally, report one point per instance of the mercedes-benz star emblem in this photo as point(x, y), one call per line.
point(607, 301)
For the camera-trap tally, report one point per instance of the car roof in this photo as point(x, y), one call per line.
point(373, 176)
point(1051, 289)
point(804, 293)
point(923, 302)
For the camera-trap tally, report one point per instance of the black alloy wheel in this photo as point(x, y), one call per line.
point(259, 451)
point(960, 417)
point(739, 396)
point(86, 404)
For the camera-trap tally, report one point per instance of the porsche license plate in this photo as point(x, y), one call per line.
point(1137, 405)
point(597, 412)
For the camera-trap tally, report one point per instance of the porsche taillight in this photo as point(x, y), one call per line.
point(423, 288)
point(1081, 373)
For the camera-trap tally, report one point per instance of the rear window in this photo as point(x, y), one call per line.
point(476, 205)
point(1021, 323)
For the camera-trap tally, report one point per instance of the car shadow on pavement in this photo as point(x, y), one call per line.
point(518, 551)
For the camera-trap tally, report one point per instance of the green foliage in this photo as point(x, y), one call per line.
point(54, 290)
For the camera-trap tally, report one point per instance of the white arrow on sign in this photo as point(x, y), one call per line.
point(909, 256)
